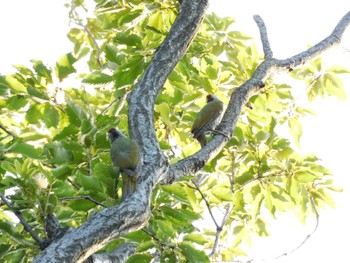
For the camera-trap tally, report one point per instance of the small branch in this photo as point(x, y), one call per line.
point(309, 235)
point(82, 197)
point(206, 203)
point(158, 240)
point(73, 184)
point(264, 38)
point(219, 230)
point(26, 226)
point(114, 101)
point(77, 20)
point(231, 176)
point(8, 131)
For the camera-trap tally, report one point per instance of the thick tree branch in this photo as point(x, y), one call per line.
point(142, 99)
point(241, 94)
point(133, 213)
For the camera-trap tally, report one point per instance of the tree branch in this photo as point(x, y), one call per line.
point(8, 131)
point(25, 224)
point(309, 235)
point(219, 230)
point(263, 36)
point(240, 95)
point(133, 213)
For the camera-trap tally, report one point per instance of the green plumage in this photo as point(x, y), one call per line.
point(125, 154)
point(207, 119)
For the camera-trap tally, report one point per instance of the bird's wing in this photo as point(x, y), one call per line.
point(212, 112)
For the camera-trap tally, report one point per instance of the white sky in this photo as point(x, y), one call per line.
point(37, 29)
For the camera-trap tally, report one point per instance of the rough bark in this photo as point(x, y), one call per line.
point(132, 214)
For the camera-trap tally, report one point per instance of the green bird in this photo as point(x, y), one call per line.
point(125, 154)
point(207, 119)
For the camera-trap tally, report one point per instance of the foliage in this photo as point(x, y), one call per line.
point(53, 142)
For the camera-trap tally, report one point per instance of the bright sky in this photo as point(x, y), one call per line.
point(37, 29)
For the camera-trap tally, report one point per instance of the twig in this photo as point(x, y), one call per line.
point(206, 203)
point(78, 21)
point(7, 131)
point(219, 230)
point(231, 176)
point(82, 197)
point(158, 240)
point(73, 184)
point(263, 35)
point(26, 226)
point(309, 235)
point(114, 101)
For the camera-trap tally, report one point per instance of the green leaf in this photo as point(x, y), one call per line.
point(62, 172)
point(128, 39)
point(140, 258)
point(128, 73)
point(42, 70)
point(193, 255)
point(262, 136)
point(98, 78)
point(58, 154)
point(223, 193)
point(51, 116)
point(145, 246)
point(76, 114)
point(111, 54)
point(176, 191)
point(33, 114)
point(64, 66)
point(295, 129)
point(339, 69)
point(138, 236)
point(304, 177)
point(26, 149)
point(260, 227)
point(36, 93)
point(16, 102)
point(119, 18)
point(8, 167)
point(196, 238)
point(164, 111)
point(81, 205)
point(165, 229)
point(179, 216)
point(14, 84)
point(90, 183)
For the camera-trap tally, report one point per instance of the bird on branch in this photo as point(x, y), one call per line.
point(207, 119)
point(125, 155)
